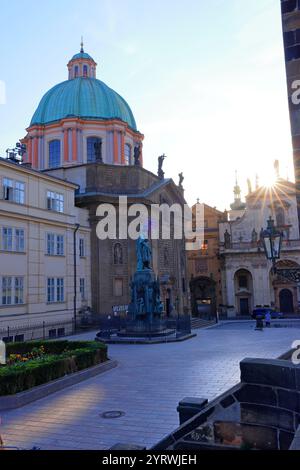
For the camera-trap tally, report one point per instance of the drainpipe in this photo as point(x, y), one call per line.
point(75, 273)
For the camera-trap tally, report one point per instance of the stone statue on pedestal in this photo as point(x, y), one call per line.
point(145, 305)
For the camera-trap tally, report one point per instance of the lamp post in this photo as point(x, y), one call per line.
point(272, 239)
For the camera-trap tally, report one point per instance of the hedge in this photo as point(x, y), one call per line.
point(61, 358)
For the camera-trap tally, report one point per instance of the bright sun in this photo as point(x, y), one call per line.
point(269, 180)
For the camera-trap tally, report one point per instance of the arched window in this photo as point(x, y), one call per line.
point(76, 71)
point(118, 254)
point(85, 70)
point(127, 154)
point(54, 153)
point(280, 219)
point(94, 149)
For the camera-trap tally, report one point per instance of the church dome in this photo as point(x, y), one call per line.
point(82, 97)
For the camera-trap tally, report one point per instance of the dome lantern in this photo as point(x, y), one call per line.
point(82, 65)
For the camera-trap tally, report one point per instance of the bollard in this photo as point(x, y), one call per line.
point(2, 353)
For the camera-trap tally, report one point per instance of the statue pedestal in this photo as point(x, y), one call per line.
point(145, 309)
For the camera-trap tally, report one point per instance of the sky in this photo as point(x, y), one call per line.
point(204, 79)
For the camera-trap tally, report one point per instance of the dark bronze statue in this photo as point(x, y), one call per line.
point(181, 179)
point(137, 155)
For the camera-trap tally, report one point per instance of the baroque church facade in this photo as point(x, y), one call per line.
point(247, 280)
point(84, 133)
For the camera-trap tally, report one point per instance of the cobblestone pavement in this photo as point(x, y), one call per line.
point(147, 385)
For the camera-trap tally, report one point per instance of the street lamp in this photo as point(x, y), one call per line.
point(272, 239)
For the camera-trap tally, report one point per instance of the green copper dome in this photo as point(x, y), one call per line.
point(82, 97)
point(82, 55)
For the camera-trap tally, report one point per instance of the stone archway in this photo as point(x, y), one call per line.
point(203, 297)
point(286, 301)
point(286, 292)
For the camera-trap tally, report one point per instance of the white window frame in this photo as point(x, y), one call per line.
point(13, 190)
point(12, 290)
point(55, 201)
point(55, 244)
point(55, 290)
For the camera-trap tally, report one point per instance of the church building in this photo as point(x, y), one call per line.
point(85, 133)
point(247, 279)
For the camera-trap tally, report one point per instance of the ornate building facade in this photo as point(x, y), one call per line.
point(204, 267)
point(247, 281)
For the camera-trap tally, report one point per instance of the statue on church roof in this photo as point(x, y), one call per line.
point(160, 171)
point(137, 154)
point(254, 236)
point(181, 179)
point(227, 239)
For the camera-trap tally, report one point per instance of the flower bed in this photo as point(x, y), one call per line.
point(37, 362)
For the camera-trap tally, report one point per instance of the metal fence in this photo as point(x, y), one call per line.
point(108, 324)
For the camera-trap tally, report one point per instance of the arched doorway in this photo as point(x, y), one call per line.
point(203, 297)
point(243, 284)
point(286, 301)
point(286, 292)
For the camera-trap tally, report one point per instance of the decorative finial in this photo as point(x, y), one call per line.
point(277, 169)
point(81, 50)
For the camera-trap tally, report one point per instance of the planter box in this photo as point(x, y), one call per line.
point(9, 402)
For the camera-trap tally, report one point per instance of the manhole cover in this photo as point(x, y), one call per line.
point(112, 414)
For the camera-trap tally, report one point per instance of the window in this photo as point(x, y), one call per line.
point(94, 149)
point(55, 290)
point(6, 291)
point(118, 254)
point(12, 290)
point(280, 218)
point(76, 72)
point(118, 287)
point(7, 239)
point(243, 281)
point(13, 191)
point(13, 239)
point(50, 244)
point(60, 290)
point(54, 154)
point(82, 288)
point(85, 70)
point(55, 201)
point(81, 248)
point(61, 332)
point(55, 244)
point(127, 154)
point(19, 192)
point(204, 246)
point(51, 290)
point(52, 333)
point(19, 290)
point(19, 240)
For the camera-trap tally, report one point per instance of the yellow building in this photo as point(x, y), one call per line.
point(204, 267)
point(38, 218)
